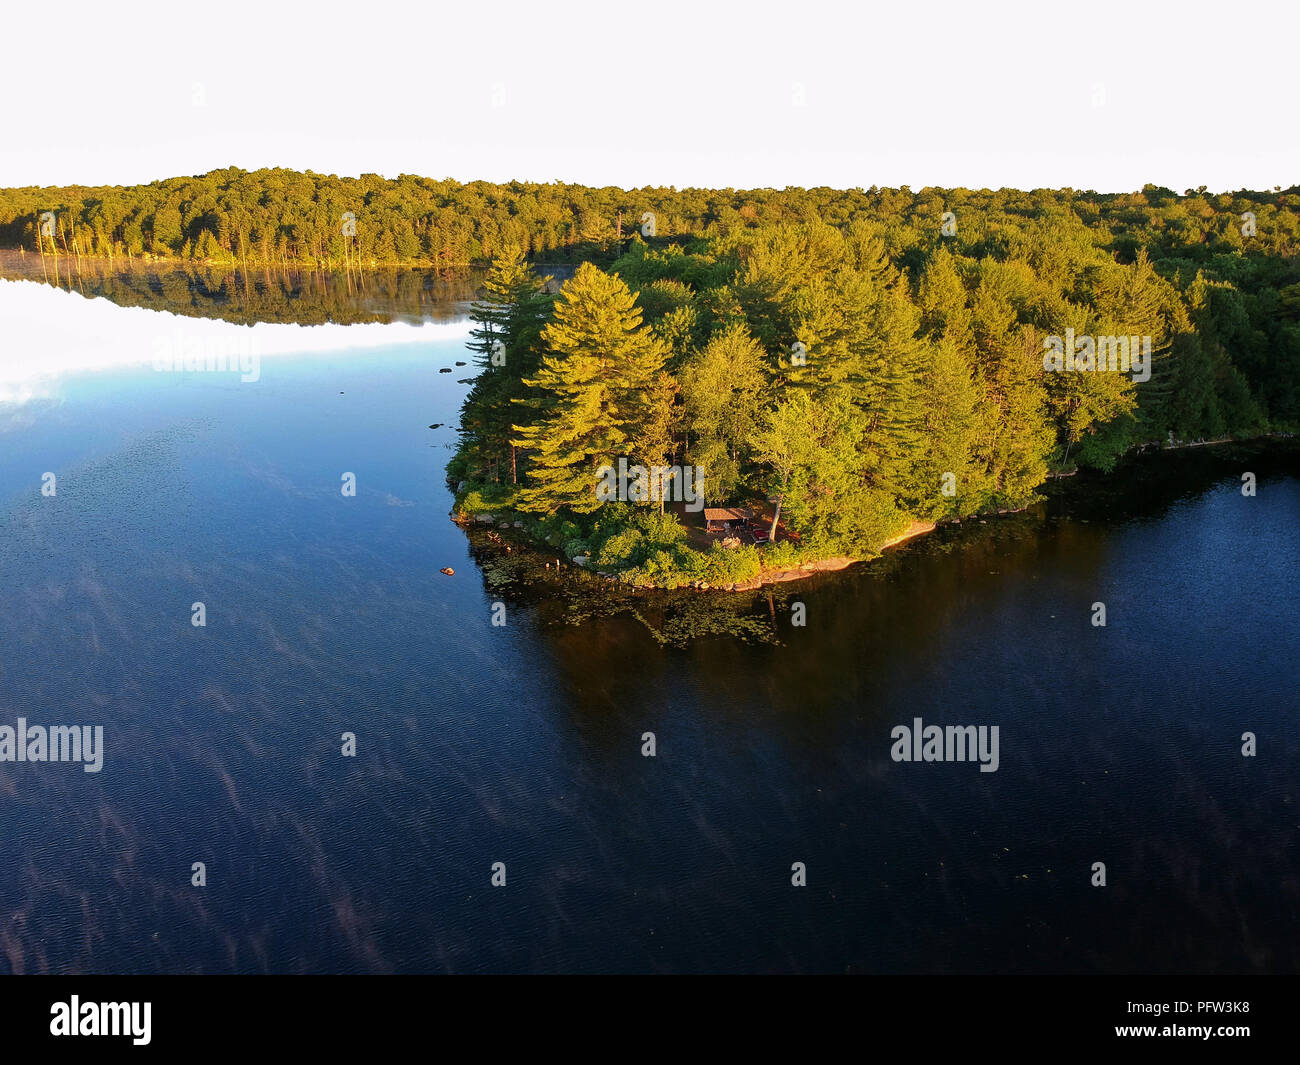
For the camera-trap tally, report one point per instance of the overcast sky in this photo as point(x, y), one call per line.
point(742, 93)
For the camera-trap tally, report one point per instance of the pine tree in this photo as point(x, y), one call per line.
point(593, 396)
point(943, 299)
point(1017, 433)
point(950, 478)
point(508, 319)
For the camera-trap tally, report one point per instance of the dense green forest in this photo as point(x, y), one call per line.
point(272, 216)
point(864, 357)
point(865, 375)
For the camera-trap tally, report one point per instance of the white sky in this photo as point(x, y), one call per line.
point(1106, 95)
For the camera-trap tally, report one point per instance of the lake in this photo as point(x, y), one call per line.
point(521, 744)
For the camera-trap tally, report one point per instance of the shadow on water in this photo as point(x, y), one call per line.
point(1119, 743)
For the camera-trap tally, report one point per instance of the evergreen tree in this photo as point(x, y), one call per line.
point(594, 395)
point(508, 318)
point(950, 479)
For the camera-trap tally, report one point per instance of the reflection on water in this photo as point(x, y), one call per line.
point(259, 294)
point(51, 333)
point(521, 744)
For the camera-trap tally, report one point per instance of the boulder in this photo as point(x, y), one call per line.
point(484, 518)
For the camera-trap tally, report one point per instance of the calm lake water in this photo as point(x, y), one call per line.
point(522, 744)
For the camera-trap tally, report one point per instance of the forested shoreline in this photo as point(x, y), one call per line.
point(276, 215)
point(862, 359)
point(859, 384)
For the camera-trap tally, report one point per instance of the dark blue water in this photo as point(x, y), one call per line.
point(521, 744)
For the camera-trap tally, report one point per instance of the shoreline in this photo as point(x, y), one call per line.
point(834, 563)
point(496, 525)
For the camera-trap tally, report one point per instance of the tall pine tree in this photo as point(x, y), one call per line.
point(594, 398)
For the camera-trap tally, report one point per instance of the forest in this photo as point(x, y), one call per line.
point(867, 375)
point(860, 358)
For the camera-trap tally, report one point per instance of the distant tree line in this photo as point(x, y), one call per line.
point(269, 216)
